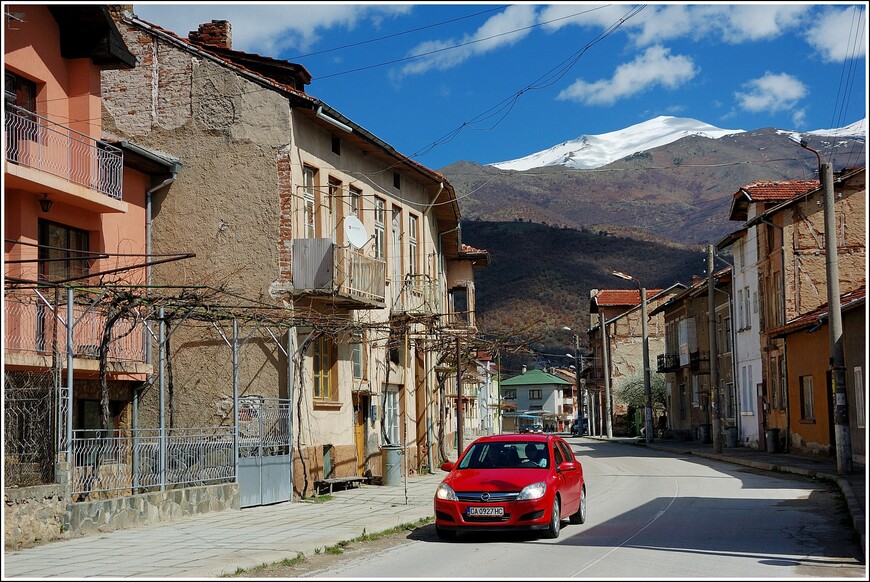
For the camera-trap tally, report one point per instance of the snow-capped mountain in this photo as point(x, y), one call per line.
point(593, 151)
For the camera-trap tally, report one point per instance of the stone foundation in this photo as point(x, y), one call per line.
point(35, 515)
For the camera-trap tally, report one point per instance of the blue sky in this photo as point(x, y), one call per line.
point(485, 82)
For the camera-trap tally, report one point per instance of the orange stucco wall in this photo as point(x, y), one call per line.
point(807, 355)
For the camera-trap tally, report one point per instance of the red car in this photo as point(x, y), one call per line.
point(511, 482)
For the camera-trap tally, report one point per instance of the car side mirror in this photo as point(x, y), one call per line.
point(447, 466)
point(567, 466)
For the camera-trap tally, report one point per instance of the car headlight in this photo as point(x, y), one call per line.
point(446, 492)
point(533, 491)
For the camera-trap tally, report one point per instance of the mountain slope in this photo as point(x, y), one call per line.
point(554, 232)
point(679, 192)
point(594, 151)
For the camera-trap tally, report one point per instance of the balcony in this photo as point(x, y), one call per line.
point(418, 295)
point(343, 275)
point(84, 171)
point(667, 363)
point(35, 327)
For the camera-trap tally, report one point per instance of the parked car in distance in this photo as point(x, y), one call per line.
point(511, 482)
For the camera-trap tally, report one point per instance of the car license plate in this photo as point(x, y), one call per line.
point(485, 511)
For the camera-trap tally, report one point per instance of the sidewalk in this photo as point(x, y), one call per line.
point(209, 545)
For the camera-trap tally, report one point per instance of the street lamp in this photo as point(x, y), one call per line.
point(645, 335)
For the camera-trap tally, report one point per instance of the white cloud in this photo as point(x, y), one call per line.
point(658, 24)
point(655, 67)
point(268, 28)
point(840, 34)
point(772, 92)
point(503, 29)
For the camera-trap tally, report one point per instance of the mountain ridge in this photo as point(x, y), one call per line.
point(588, 152)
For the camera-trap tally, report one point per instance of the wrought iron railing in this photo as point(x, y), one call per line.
point(667, 363)
point(34, 323)
point(36, 142)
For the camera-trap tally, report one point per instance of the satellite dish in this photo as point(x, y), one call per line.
point(355, 232)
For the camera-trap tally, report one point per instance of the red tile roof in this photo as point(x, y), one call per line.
point(611, 297)
point(848, 300)
point(777, 190)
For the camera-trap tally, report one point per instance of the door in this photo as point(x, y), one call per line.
point(360, 409)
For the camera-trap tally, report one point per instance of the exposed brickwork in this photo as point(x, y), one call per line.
point(285, 221)
point(217, 33)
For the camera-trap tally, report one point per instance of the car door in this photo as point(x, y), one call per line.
point(572, 478)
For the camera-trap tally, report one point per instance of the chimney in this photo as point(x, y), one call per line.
point(217, 33)
point(524, 368)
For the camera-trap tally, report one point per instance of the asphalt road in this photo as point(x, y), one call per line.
point(651, 515)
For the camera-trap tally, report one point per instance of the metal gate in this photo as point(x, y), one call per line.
point(265, 456)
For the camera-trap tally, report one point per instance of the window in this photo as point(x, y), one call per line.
point(396, 246)
point(309, 176)
point(536, 407)
point(19, 91)
point(774, 382)
point(777, 299)
point(336, 145)
point(536, 395)
point(740, 324)
point(334, 205)
point(754, 302)
point(324, 359)
point(860, 414)
point(358, 359)
point(458, 305)
point(391, 415)
point(509, 393)
point(807, 412)
point(695, 391)
point(725, 339)
point(397, 180)
point(746, 307)
point(783, 383)
point(63, 252)
point(380, 227)
point(355, 195)
point(412, 244)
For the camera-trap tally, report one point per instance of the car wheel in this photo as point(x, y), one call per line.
point(444, 534)
point(580, 515)
point(555, 526)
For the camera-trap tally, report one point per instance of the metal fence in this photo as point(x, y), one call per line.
point(138, 461)
point(264, 427)
point(30, 427)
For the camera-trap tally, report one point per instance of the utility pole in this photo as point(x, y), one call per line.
point(837, 363)
point(605, 359)
point(459, 419)
point(835, 327)
point(714, 356)
point(645, 339)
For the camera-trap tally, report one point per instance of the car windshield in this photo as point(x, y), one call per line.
point(506, 455)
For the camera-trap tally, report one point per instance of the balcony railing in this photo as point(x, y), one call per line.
point(321, 267)
point(667, 363)
point(34, 324)
point(418, 295)
point(36, 142)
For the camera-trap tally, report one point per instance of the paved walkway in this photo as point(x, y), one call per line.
point(207, 546)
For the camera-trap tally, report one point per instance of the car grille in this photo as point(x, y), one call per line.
point(494, 497)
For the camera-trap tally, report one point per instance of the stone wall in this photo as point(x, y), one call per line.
point(35, 515)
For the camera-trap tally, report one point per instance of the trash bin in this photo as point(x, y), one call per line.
point(772, 437)
point(704, 433)
point(731, 434)
point(392, 458)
